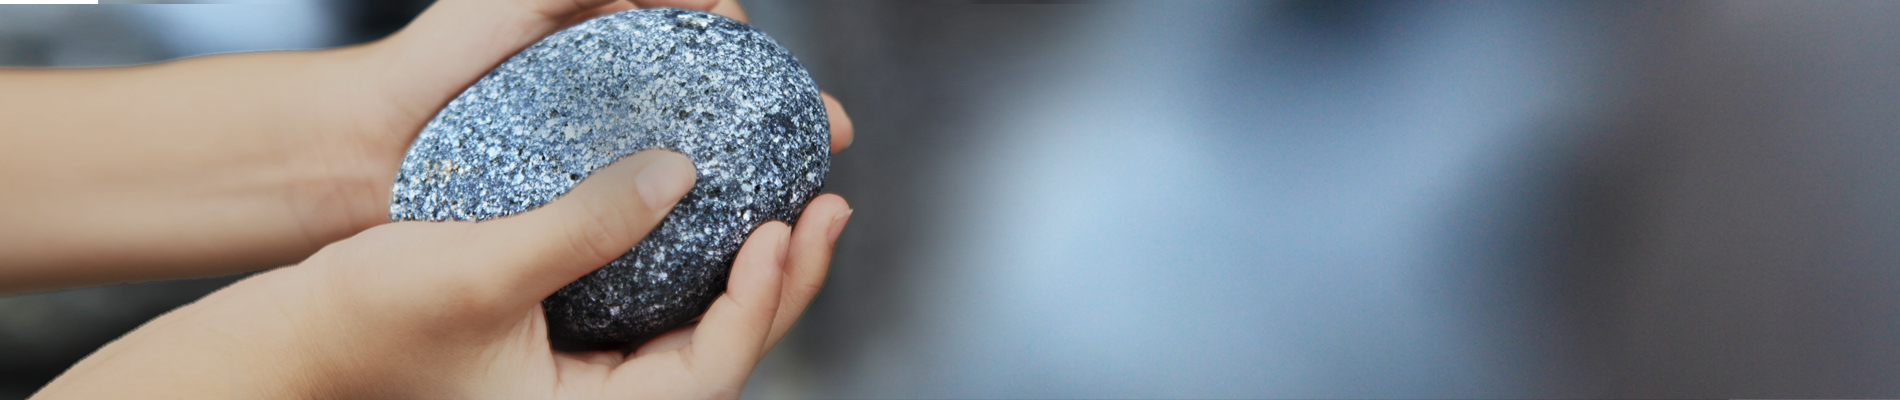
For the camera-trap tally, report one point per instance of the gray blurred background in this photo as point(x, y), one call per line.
point(1268, 199)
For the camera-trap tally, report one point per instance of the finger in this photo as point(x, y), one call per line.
point(728, 8)
point(730, 339)
point(702, 5)
point(841, 133)
point(596, 12)
point(809, 260)
point(560, 10)
point(459, 41)
point(536, 252)
point(731, 9)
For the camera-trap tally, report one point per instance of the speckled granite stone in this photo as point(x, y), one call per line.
point(719, 91)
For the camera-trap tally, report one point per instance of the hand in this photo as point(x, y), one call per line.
point(413, 73)
point(452, 310)
point(234, 163)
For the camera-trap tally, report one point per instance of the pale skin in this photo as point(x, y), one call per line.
point(237, 163)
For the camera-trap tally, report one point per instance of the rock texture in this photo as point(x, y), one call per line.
point(714, 89)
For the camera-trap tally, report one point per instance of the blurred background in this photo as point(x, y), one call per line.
point(1267, 199)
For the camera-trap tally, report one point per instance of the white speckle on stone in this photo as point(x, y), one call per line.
point(718, 91)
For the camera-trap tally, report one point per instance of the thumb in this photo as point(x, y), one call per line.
point(541, 250)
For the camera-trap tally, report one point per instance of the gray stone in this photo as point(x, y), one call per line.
point(716, 90)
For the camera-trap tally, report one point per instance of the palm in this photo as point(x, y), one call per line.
point(429, 73)
point(669, 366)
point(710, 359)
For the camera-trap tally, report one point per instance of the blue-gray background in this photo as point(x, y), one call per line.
point(1269, 199)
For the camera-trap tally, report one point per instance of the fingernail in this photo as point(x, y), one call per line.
point(837, 225)
point(664, 180)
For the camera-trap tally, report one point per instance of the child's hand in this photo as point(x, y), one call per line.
point(400, 82)
point(452, 310)
point(234, 163)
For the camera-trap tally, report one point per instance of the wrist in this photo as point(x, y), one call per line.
point(343, 161)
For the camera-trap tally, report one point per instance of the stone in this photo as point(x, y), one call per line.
point(714, 89)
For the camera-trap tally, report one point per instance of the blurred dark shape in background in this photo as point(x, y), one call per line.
point(368, 20)
point(1270, 199)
